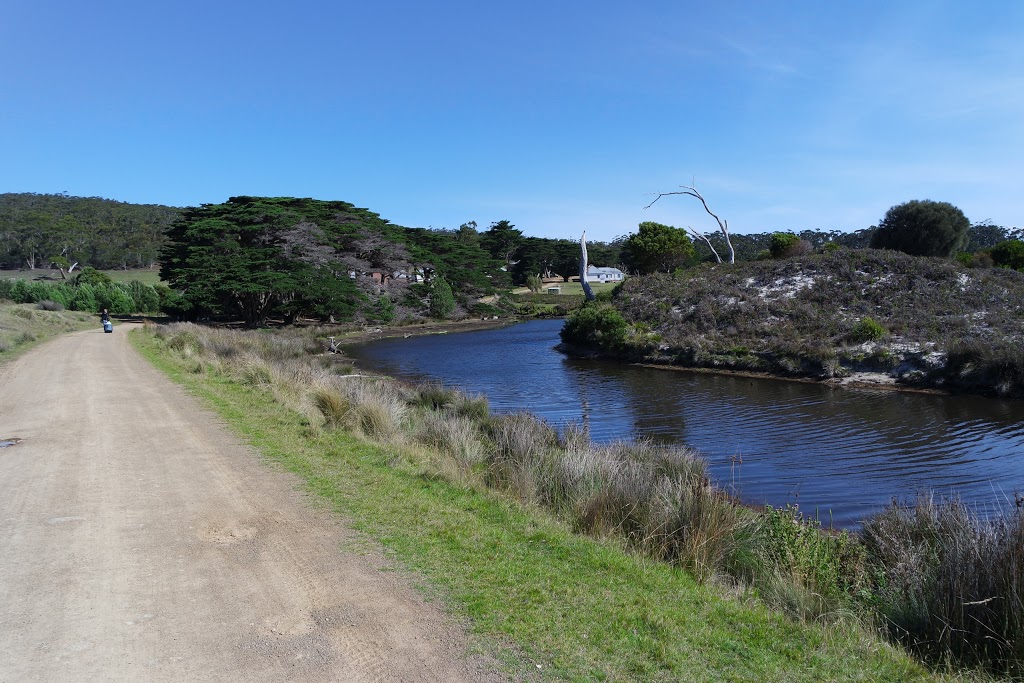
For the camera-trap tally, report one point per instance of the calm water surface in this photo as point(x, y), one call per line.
point(842, 452)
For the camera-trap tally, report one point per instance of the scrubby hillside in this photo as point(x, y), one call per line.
point(920, 321)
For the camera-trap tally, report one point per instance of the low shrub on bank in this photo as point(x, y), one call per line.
point(598, 325)
point(821, 572)
point(945, 583)
point(867, 329)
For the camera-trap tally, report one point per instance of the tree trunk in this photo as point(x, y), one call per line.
point(587, 292)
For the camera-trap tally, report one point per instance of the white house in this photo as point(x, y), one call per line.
point(595, 274)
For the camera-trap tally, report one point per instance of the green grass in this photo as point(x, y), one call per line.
point(147, 276)
point(576, 289)
point(580, 609)
point(23, 326)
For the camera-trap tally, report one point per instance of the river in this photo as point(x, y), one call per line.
point(839, 453)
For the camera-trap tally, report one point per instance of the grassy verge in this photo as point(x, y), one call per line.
point(147, 276)
point(576, 289)
point(22, 326)
point(573, 608)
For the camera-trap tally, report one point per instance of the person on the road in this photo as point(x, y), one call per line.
point(104, 316)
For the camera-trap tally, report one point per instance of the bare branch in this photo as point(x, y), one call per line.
point(704, 237)
point(723, 225)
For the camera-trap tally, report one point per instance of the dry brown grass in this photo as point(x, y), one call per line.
point(952, 581)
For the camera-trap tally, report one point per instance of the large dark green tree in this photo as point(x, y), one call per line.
point(923, 228)
point(223, 262)
point(282, 257)
point(502, 239)
point(656, 247)
point(457, 255)
point(253, 256)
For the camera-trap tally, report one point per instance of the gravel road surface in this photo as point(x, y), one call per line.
point(140, 541)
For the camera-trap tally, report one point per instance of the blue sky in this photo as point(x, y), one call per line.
point(558, 116)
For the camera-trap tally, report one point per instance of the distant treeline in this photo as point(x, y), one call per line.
point(755, 246)
point(37, 230)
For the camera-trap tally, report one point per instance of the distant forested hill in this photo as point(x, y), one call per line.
point(36, 229)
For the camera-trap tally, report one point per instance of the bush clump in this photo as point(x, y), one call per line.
point(89, 292)
point(596, 324)
point(868, 329)
point(1009, 254)
point(923, 228)
point(786, 245)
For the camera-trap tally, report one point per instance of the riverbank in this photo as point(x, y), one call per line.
point(454, 440)
point(566, 607)
point(774, 442)
point(365, 333)
point(855, 380)
point(863, 316)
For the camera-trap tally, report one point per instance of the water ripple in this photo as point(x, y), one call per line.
point(845, 453)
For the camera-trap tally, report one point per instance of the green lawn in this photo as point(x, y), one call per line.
point(147, 276)
point(575, 288)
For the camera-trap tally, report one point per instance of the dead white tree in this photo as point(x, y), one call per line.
point(587, 292)
point(723, 225)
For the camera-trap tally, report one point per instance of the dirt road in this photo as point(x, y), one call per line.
point(139, 541)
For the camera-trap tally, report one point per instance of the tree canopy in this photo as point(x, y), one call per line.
point(256, 257)
point(502, 240)
point(657, 248)
point(923, 228)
